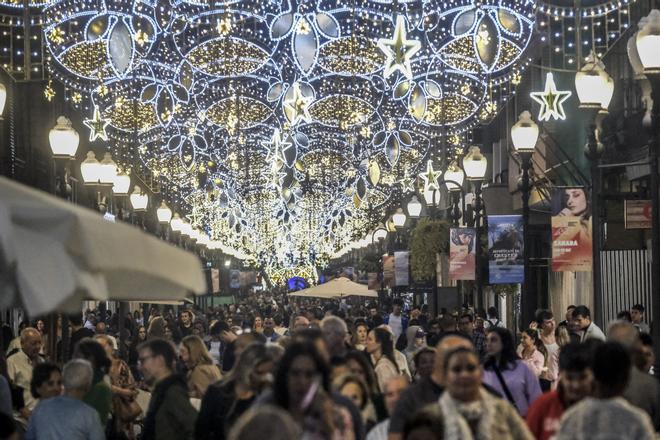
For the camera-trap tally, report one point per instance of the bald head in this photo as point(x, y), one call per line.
point(30, 341)
point(625, 334)
point(446, 344)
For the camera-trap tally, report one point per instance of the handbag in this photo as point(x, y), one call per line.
point(127, 410)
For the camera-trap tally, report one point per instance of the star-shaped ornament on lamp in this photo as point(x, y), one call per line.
point(296, 109)
point(430, 177)
point(399, 50)
point(97, 126)
point(551, 100)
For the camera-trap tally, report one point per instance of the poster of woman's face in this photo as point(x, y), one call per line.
point(463, 236)
point(571, 202)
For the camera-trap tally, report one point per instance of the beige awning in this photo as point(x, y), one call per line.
point(337, 288)
point(53, 255)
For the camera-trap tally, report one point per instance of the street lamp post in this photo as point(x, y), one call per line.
point(475, 165)
point(524, 135)
point(63, 140)
point(595, 88)
point(646, 51)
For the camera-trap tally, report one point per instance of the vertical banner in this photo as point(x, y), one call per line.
point(234, 279)
point(388, 270)
point(372, 281)
point(505, 249)
point(462, 256)
point(401, 268)
point(215, 280)
point(571, 231)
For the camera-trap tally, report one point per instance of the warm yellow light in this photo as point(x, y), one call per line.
point(648, 42)
point(594, 86)
point(139, 200)
point(164, 213)
point(399, 218)
point(90, 169)
point(524, 133)
point(475, 164)
point(63, 138)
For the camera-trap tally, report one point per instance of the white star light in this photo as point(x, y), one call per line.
point(398, 50)
point(97, 126)
point(551, 100)
point(296, 109)
point(430, 177)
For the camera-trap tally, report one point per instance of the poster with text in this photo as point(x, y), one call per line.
point(571, 231)
point(462, 256)
point(401, 269)
point(505, 249)
point(372, 281)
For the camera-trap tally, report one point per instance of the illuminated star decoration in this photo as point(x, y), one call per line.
point(272, 146)
point(430, 177)
point(97, 126)
point(296, 109)
point(407, 184)
point(551, 100)
point(398, 50)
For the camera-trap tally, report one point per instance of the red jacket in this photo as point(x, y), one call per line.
point(544, 414)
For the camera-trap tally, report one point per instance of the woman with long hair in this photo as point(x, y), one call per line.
point(99, 395)
point(468, 410)
point(124, 390)
point(225, 401)
point(381, 347)
point(532, 351)
point(199, 363)
point(156, 328)
point(507, 373)
point(355, 389)
point(360, 335)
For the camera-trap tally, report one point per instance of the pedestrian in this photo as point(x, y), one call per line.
point(355, 389)
point(257, 424)
point(170, 415)
point(415, 340)
point(46, 381)
point(66, 416)
point(468, 410)
point(360, 336)
point(507, 373)
point(607, 415)
point(397, 322)
point(225, 401)
point(20, 367)
point(202, 372)
point(637, 317)
point(583, 323)
point(381, 348)
point(334, 332)
point(552, 340)
point(99, 395)
point(393, 390)
point(574, 384)
point(493, 319)
point(532, 351)
point(423, 362)
point(466, 327)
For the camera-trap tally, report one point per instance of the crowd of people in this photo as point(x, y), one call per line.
point(283, 369)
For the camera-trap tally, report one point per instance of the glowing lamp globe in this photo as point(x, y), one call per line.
point(594, 86)
point(414, 207)
point(380, 233)
point(648, 42)
point(122, 184)
point(164, 213)
point(109, 170)
point(453, 174)
point(139, 200)
point(63, 139)
point(399, 218)
point(475, 164)
point(90, 168)
point(176, 223)
point(186, 229)
point(3, 98)
point(525, 133)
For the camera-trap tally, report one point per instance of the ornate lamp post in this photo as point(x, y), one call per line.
point(595, 88)
point(646, 52)
point(475, 165)
point(524, 135)
point(63, 140)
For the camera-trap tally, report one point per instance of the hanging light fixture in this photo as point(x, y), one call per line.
point(90, 169)
point(454, 173)
point(525, 133)
point(63, 138)
point(475, 164)
point(108, 170)
point(164, 213)
point(399, 218)
point(594, 86)
point(139, 200)
point(648, 42)
point(122, 184)
point(414, 207)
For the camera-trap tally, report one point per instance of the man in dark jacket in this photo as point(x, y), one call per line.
point(170, 415)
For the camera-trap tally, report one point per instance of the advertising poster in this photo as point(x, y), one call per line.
point(234, 279)
point(401, 268)
point(505, 249)
point(571, 231)
point(462, 256)
point(638, 214)
point(388, 270)
point(215, 280)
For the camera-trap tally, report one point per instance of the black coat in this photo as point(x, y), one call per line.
point(220, 410)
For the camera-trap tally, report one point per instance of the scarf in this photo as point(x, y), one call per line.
point(458, 416)
point(157, 399)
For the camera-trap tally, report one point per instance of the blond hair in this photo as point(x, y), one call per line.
point(199, 354)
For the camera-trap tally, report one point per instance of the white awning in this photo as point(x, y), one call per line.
point(337, 288)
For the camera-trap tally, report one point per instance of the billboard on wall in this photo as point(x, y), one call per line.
point(571, 231)
point(388, 270)
point(462, 256)
point(505, 249)
point(401, 268)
